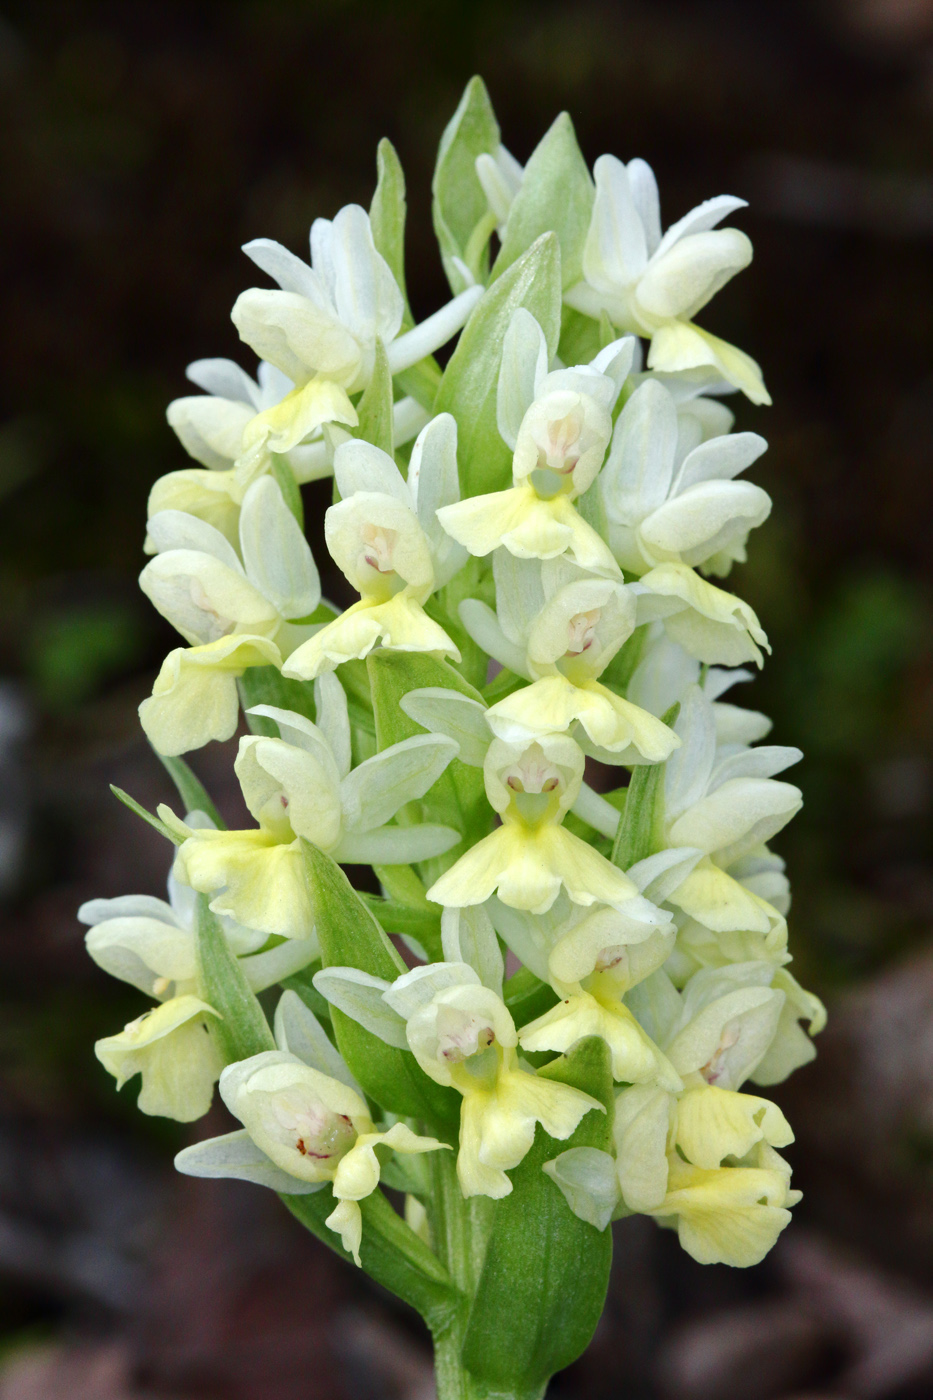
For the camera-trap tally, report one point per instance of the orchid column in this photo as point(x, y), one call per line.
point(563, 1003)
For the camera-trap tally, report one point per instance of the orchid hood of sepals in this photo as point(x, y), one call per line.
point(171, 1048)
point(321, 328)
point(695, 513)
point(569, 644)
point(313, 1129)
point(653, 285)
point(559, 426)
point(302, 786)
point(530, 857)
point(462, 1035)
point(235, 610)
point(726, 804)
point(380, 534)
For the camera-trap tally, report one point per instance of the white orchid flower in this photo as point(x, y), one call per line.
point(462, 1035)
point(696, 514)
point(384, 536)
point(726, 803)
point(531, 857)
point(569, 627)
point(302, 786)
point(321, 328)
point(596, 959)
point(211, 427)
point(171, 1048)
point(653, 285)
point(152, 944)
point(665, 673)
point(671, 1149)
point(235, 610)
point(559, 426)
point(306, 1125)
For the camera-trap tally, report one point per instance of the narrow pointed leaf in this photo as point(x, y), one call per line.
point(556, 193)
point(351, 937)
point(387, 217)
point(190, 789)
point(635, 837)
point(375, 407)
point(459, 204)
point(242, 1029)
point(140, 811)
point(470, 385)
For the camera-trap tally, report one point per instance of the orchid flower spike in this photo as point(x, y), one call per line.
point(558, 426)
point(322, 326)
point(653, 285)
point(234, 608)
point(385, 538)
point(301, 787)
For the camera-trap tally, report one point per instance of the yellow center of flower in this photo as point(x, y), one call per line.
point(559, 449)
point(536, 785)
point(581, 632)
point(296, 1118)
point(609, 980)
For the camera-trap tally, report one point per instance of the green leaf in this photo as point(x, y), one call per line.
point(265, 685)
point(190, 789)
point(458, 798)
point(242, 1029)
point(140, 811)
point(302, 983)
point(473, 580)
point(422, 381)
point(387, 218)
point(546, 1271)
point(350, 936)
point(390, 1252)
point(422, 924)
point(291, 491)
point(469, 387)
point(556, 193)
point(459, 204)
point(375, 407)
point(635, 838)
point(580, 339)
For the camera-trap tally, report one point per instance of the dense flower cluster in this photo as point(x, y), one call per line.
point(532, 535)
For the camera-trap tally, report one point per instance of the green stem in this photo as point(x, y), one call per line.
point(460, 1229)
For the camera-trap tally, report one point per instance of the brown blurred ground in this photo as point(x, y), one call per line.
point(141, 145)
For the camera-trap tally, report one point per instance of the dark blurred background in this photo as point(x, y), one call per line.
point(142, 144)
